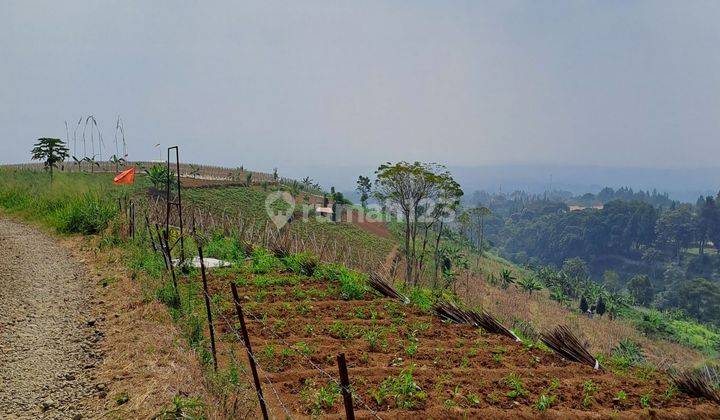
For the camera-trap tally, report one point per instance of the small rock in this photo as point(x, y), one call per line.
point(69, 377)
point(77, 417)
point(47, 404)
point(101, 387)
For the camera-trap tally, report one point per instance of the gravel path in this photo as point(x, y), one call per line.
point(48, 337)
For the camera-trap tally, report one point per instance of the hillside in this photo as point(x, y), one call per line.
point(304, 306)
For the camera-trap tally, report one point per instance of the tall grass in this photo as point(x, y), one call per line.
point(71, 203)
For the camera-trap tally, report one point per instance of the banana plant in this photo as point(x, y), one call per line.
point(117, 161)
point(92, 162)
point(78, 163)
point(194, 170)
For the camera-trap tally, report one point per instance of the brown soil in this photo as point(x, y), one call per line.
point(377, 228)
point(462, 370)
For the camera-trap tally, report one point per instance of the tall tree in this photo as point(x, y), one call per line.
point(708, 221)
point(364, 187)
point(411, 187)
point(641, 289)
point(676, 229)
point(51, 151)
point(478, 215)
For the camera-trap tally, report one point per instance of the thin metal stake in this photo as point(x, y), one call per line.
point(207, 306)
point(345, 382)
point(248, 347)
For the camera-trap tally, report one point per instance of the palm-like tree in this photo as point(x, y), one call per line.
point(507, 278)
point(530, 284)
point(307, 182)
point(51, 151)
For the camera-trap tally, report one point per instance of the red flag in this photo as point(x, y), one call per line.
point(125, 177)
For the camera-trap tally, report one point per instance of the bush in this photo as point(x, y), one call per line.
point(223, 248)
point(265, 262)
point(301, 263)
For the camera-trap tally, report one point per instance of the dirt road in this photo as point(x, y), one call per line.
point(48, 336)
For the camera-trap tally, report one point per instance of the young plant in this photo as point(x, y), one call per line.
point(402, 389)
point(589, 391)
point(545, 401)
point(321, 399)
point(514, 382)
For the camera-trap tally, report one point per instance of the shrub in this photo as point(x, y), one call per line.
point(301, 263)
point(221, 247)
point(265, 262)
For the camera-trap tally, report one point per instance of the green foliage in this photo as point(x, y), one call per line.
point(50, 151)
point(319, 399)
point(626, 354)
point(402, 389)
point(507, 278)
point(264, 262)
point(376, 338)
point(514, 382)
point(353, 284)
point(157, 175)
point(422, 297)
point(87, 214)
point(224, 248)
point(544, 402)
point(530, 284)
point(182, 408)
point(589, 391)
point(301, 263)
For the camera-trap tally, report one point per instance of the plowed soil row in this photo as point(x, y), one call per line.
point(458, 371)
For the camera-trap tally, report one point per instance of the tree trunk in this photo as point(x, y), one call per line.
point(408, 260)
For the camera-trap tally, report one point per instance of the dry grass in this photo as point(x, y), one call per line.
point(144, 353)
point(542, 313)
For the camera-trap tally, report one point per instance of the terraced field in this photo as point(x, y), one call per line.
point(404, 361)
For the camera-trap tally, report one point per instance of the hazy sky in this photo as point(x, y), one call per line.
point(310, 83)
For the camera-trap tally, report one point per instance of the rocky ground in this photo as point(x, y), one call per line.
point(49, 337)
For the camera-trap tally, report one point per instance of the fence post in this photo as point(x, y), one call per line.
point(207, 306)
point(248, 347)
point(132, 219)
point(149, 232)
point(345, 382)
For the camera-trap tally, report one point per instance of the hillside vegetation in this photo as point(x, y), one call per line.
point(303, 311)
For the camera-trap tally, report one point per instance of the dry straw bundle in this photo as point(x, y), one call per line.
point(699, 383)
point(384, 288)
point(451, 312)
point(564, 342)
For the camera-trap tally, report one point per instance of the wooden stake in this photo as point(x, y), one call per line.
point(207, 306)
point(345, 382)
point(248, 347)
